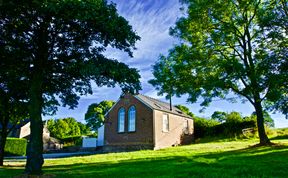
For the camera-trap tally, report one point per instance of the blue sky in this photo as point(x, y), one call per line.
point(151, 19)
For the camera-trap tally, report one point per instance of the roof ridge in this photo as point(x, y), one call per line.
point(164, 106)
point(156, 99)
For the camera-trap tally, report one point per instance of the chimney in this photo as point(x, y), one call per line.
point(170, 98)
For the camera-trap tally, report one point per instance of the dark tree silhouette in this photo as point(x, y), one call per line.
point(58, 47)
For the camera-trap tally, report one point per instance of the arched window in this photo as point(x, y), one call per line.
point(121, 120)
point(132, 119)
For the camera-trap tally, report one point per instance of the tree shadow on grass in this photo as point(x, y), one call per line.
point(279, 137)
point(248, 162)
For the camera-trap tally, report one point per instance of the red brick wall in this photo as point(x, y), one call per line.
point(144, 125)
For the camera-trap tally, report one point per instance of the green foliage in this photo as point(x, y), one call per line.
point(273, 20)
point(221, 124)
point(67, 127)
point(84, 129)
point(15, 146)
point(279, 133)
point(72, 141)
point(185, 110)
point(229, 46)
point(283, 131)
point(232, 126)
point(13, 106)
point(65, 48)
point(269, 122)
point(233, 117)
point(58, 47)
point(96, 112)
point(234, 129)
point(219, 116)
point(203, 127)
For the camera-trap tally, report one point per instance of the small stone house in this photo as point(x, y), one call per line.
point(22, 130)
point(142, 122)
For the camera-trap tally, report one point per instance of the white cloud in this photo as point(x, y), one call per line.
point(103, 93)
point(151, 19)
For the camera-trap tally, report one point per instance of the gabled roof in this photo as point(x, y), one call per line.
point(160, 105)
point(17, 126)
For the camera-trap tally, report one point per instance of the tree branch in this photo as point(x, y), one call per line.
point(244, 83)
point(235, 50)
point(243, 94)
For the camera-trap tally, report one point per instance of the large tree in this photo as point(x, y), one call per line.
point(237, 46)
point(95, 115)
point(268, 120)
point(58, 46)
point(219, 116)
point(12, 112)
point(13, 101)
point(66, 127)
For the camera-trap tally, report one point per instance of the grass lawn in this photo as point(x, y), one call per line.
point(217, 159)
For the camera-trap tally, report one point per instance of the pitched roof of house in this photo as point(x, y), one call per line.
point(160, 105)
point(18, 125)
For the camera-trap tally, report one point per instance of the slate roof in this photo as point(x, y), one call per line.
point(160, 105)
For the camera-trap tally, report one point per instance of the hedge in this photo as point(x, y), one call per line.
point(72, 141)
point(15, 146)
point(230, 129)
point(210, 128)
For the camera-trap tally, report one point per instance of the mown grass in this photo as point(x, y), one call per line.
point(217, 159)
point(274, 134)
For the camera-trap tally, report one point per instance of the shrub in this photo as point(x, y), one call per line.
point(231, 128)
point(15, 146)
point(203, 127)
point(72, 141)
point(281, 133)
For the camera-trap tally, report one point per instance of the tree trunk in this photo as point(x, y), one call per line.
point(35, 145)
point(3, 139)
point(260, 122)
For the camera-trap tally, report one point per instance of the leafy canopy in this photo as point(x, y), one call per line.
point(237, 46)
point(66, 127)
point(95, 115)
point(268, 120)
point(13, 105)
point(185, 110)
point(56, 49)
point(65, 41)
point(219, 116)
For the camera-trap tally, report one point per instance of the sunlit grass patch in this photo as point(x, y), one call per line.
point(217, 159)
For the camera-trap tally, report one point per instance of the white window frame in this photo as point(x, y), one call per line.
point(165, 123)
point(121, 119)
point(131, 118)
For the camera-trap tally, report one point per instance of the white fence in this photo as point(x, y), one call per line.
point(94, 142)
point(89, 142)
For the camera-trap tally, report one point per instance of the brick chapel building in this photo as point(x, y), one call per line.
point(142, 122)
